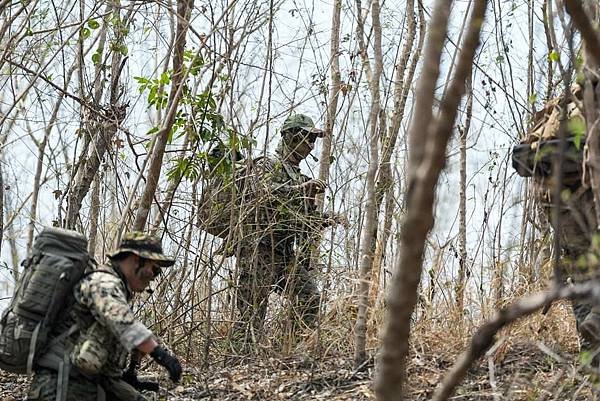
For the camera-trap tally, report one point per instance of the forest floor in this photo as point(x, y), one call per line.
point(521, 371)
point(535, 359)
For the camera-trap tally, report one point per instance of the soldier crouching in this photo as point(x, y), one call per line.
point(90, 346)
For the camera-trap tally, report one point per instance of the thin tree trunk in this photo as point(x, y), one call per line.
point(463, 273)
point(38, 175)
point(11, 237)
point(1, 207)
point(332, 106)
point(385, 185)
point(184, 8)
point(94, 213)
point(334, 92)
point(424, 170)
point(99, 131)
point(368, 235)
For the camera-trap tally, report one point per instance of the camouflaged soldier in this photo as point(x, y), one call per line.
point(535, 157)
point(274, 253)
point(95, 337)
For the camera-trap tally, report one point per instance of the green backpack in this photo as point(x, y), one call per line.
point(58, 261)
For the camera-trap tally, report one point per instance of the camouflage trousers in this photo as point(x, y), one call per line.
point(43, 387)
point(264, 270)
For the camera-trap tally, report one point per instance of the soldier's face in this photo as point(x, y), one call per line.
point(302, 144)
point(144, 274)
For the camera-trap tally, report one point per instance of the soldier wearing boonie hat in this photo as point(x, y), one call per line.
point(108, 331)
point(275, 249)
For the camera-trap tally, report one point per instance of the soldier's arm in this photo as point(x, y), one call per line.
point(104, 294)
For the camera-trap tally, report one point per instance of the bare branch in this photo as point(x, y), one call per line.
point(484, 337)
point(582, 22)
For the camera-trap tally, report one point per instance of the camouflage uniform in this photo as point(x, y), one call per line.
point(576, 216)
point(94, 338)
point(274, 249)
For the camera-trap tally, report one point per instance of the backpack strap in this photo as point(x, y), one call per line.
point(62, 385)
point(32, 344)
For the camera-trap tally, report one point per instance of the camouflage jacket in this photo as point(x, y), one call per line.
point(285, 216)
point(107, 327)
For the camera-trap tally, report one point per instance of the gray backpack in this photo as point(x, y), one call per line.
point(58, 261)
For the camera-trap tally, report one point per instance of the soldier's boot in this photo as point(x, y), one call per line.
point(590, 327)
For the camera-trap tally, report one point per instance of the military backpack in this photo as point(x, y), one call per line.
point(58, 261)
point(537, 152)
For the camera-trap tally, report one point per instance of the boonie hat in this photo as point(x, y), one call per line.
point(145, 246)
point(301, 122)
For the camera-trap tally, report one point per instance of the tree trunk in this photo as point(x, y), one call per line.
point(1, 208)
point(368, 235)
point(94, 213)
point(332, 106)
point(463, 272)
point(184, 8)
point(425, 166)
point(385, 185)
point(334, 92)
point(98, 130)
point(38, 175)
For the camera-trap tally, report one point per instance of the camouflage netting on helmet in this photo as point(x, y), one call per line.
point(536, 157)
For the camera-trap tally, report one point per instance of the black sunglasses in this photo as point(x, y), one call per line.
point(300, 133)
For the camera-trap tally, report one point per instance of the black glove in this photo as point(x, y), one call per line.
point(168, 361)
point(130, 377)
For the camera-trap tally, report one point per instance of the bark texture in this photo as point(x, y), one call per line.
point(425, 166)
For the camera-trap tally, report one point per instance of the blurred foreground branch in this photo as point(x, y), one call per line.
point(483, 338)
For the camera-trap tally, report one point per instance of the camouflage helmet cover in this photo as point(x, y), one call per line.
point(302, 123)
point(145, 246)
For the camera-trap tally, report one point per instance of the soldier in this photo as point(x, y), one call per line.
point(274, 253)
point(92, 342)
point(536, 157)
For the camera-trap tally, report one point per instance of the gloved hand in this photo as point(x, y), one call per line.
point(168, 361)
point(130, 377)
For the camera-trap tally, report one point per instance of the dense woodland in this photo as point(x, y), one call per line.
point(109, 111)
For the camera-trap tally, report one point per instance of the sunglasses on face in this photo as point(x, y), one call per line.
point(156, 269)
point(300, 134)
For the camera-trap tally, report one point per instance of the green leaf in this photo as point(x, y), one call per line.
point(142, 80)
point(183, 168)
point(196, 64)
point(96, 58)
point(93, 24)
point(576, 126)
point(188, 55)
point(165, 78)
point(152, 130)
point(553, 56)
point(85, 33)
point(533, 98)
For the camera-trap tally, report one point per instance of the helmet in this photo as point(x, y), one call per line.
point(301, 123)
point(145, 246)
